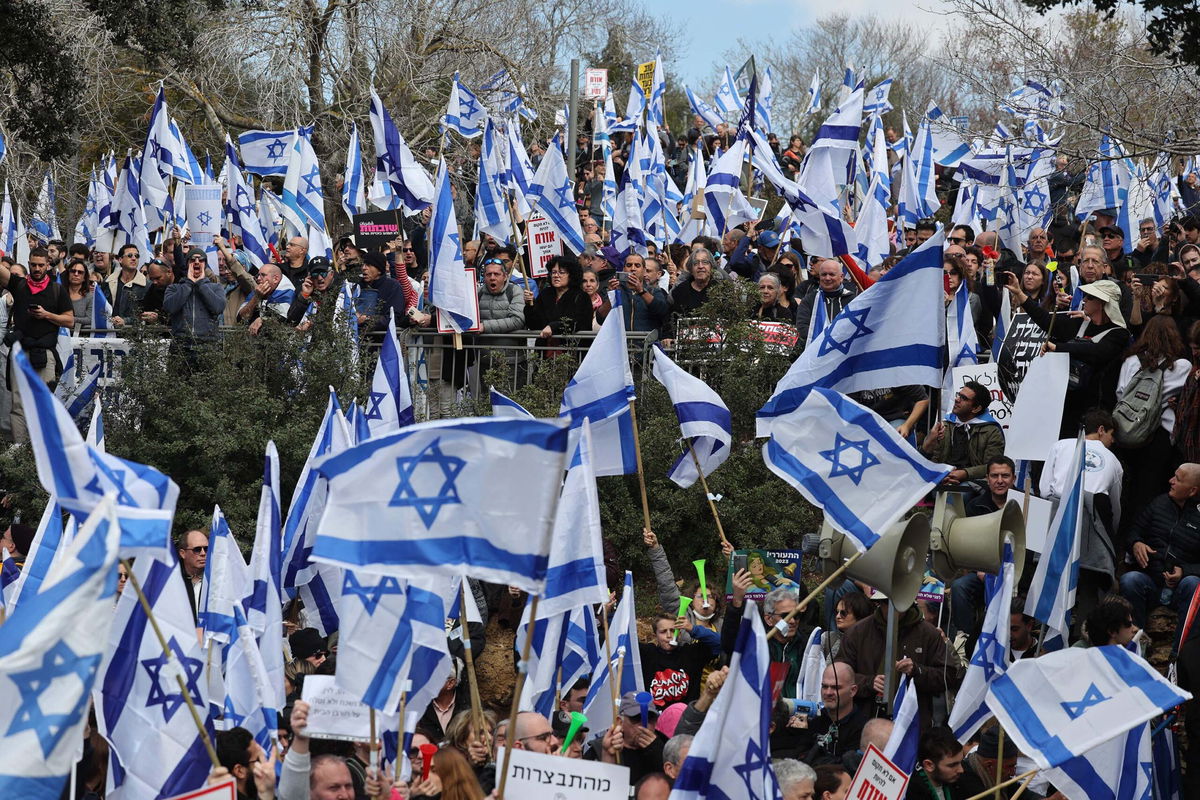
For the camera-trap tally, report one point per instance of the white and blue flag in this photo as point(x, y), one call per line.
point(1120, 769)
point(625, 654)
point(265, 152)
point(876, 102)
point(439, 512)
point(552, 193)
point(723, 198)
point(503, 406)
point(814, 94)
point(730, 757)
point(901, 747)
point(354, 199)
point(991, 657)
point(47, 541)
point(389, 405)
point(704, 420)
point(450, 287)
point(564, 648)
point(141, 709)
point(600, 392)
point(264, 602)
point(703, 109)
point(890, 335)
point(1107, 182)
point(409, 182)
point(244, 219)
point(728, 100)
point(79, 475)
point(1051, 595)
point(303, 198)
point(226, 582)
point(49, 662)
point(491, 210)
point(376, 638)
point(464, 112)
point(847, 460)
point(1063, 704)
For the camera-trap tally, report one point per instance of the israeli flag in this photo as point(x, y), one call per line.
point(961, 340)
point(991, 658)
point(728, 101)
point(814, 94)
point(353, 195)
point(812, 668)
point(79, 475)
point(464, 112)
point(9, 573)
point(265, 152)
point(519, 172)
point(376, 638)
point(450, 288)
point(600, 392)
point(1122, 768)
point(890, 335)
point(12, 231)
point(244, 219)
point(730, 758)
point(625, 653)
point(634, 106)
point(389, 406)
point(443, 515)
point(947, 145)
point(503, 406)
point(264, 602)
point(48, 540)
point(876, 103)
point(126, 223)
point(828, 450)
point(727, 205)
point(628, 235)
point(303, 197)
point(73, 391)
point(409, 181)
point(1107, 182)
point(48, 662)
point(188, 170)
point(247, 694)
point(1166, 766)
point(766, 100)
point(1063, 704)
point(162, 154)
point(564, 648)
point(226, 583)
point(702, 109)
point(139, 699)
point(1051, 595)
point(491, 210)
point(901, 747)
point(575, 576)
point(552, 193)
point(704, 420)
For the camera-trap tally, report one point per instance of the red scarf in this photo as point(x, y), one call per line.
point(36, 287)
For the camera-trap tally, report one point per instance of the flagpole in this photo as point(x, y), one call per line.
point(476, 705)
point(995, 790)
point(637, 449)
point(183, 690)
point(712, 504)
point(374, 750)
point(612, 686)
point(782, 624)
point(522, 668)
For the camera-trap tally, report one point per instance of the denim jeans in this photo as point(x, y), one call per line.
point(1144, 595)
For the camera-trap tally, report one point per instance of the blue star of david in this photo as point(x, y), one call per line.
point(1090, 698)
point(563, 193)
point(467, 107)
point(117, 478)
point(967, 354)
point(245, 205)
point(1094, 173)
point(373, 411)
point(275, 149)
point(857, 318)
point(231, 716)
point(854, 472)
point(1148, 773)
point(987, 655)
point(59, 661)
point(91, 205)
point(371, 595)
point(879, 94)
point(313, 175)
point(457, 241)
point(750, 771)
point(1035, 201)
point(172, 700)
point(204, 218)
point(428, 507)
point(156, 151)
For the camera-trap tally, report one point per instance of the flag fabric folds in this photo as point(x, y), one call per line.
point(1051, 595)
point(427, 501)
point(1124, 767)
point(730, 756)
point(450, 287)
point(704, 420)
point(49, 661)
point(849, 461)
point(901, 747)
point(389, 405)
point(551, 193)
point(265, 152)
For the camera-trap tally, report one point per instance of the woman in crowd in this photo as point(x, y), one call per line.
point(561, 308)
point(851, 607)
point(770, 295)
point(1161, 299)
point(456, 776)
point(79, 287)
point(460, 733)
point(599, 300)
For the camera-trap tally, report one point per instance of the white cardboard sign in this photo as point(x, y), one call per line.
point(595, 83)
point(1037, 413)
point(543, 245)
point(534, 776)
point(203, 212)
point(335, 714)
point(877, 778)
point(1037, 519)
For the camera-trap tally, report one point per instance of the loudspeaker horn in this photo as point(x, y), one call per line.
point(959, 542)
point(895, 565)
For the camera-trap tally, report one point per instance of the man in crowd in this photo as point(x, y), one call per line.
point(839, 726)
point(40, 305)
point(968, 438)
point(788, 647)
point(192, 549)
point(939, 767)
point(194, 305)
point(967, 591)
point(160, 276)
point(126, 287)
point(640, 746)
point(272, 297)
point(17, 539)
point(645, 307)
point(242, 756)
point(830, 291)
point(295, 260)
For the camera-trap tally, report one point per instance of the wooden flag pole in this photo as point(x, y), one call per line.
point(712, 504)
point(183, 690)
point(995, 790)
point(522, 668)
point(637, 449)
point(782, 624)
point(477, 721)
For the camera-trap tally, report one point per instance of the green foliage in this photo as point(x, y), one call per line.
point(35, 64)
point(162, 31)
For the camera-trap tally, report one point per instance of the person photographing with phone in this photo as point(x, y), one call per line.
point(40, 307)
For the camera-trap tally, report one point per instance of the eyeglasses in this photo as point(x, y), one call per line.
point(1108, 236)
point(487, 261)
point(76, 272)
point(541, 737)
point(199, 550)
point(956, 239)
point(841, 612)
point(964, 397)
point(407, 250)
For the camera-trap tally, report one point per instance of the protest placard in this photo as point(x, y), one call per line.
point(222, 791)
point(544, 245)
point(1037, 412)
point(877, 778)
point(778, 337)
point(372, 231)
point(203, 212)
point(536, 776)
point(769, 569)
point(595, 83)
point(442, 327)
point(1022, 344)
point(1037, 519)
point(335, 714)
point(989, 375)
point(645, 76)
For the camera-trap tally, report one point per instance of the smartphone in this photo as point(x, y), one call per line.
point(739, 562)
point(34, 306)
point(1148, 278)
point(946, 283)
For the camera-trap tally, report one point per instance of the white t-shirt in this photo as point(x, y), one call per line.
point(1173, 379)
point(1102, 472)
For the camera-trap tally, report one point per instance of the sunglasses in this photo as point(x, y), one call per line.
point(407, 250)
point(200, 550)
point(76, 272)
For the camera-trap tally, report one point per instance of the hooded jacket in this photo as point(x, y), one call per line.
point(985, 440)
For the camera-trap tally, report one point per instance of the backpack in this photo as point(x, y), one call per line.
point(1139, 408)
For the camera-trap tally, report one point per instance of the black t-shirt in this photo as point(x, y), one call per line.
point(53, 298)
point(685, 298)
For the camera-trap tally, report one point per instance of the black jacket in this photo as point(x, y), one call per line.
point(834, 303)
point(1173, 532)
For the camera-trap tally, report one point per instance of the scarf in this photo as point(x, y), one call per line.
point(36, 287)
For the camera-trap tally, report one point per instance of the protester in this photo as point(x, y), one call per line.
point(939, 767)
point(560, 308)
point(829, 291)
point(79, 287)
point(974, 436)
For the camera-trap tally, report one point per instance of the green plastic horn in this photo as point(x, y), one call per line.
point(684, 602)
point(699, 564)
point(577, 721)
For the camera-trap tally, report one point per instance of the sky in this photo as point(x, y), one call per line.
point(754, 21)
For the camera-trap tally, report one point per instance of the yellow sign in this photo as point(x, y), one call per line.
point(645, 76)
